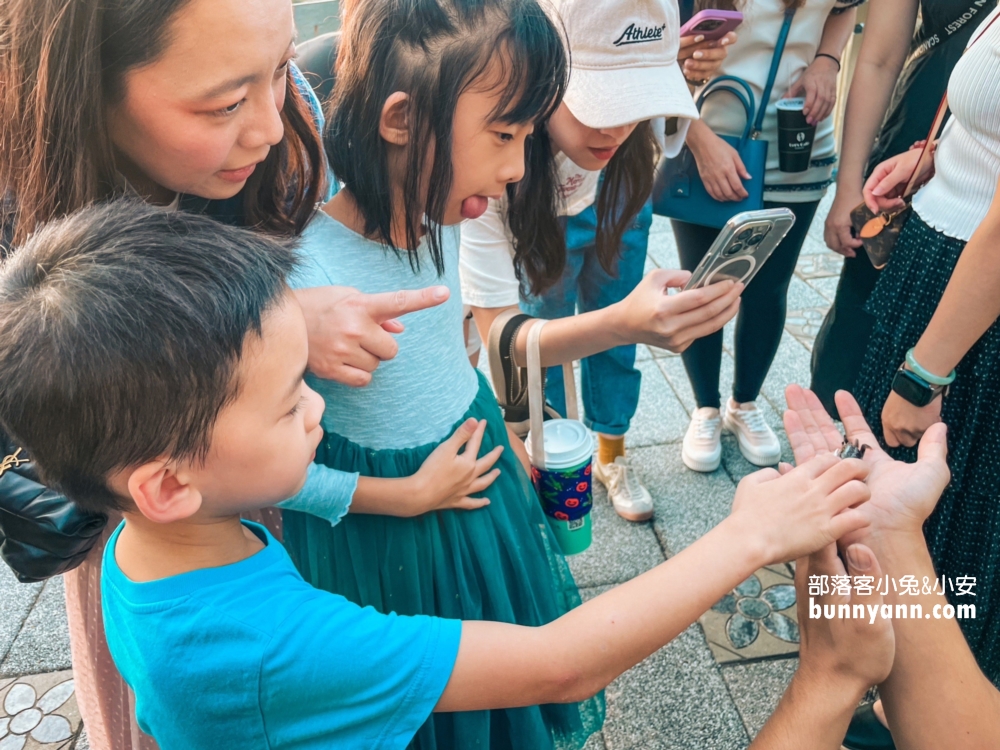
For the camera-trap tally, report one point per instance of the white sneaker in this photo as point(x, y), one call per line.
point(758, 443)
point(631, 500)
point(702, 449)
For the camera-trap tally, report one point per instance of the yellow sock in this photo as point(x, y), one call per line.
point(609, 447)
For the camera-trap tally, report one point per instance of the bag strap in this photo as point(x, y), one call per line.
point(536, 393)
point(927, 152)
point(747, 103)
point(779, 50)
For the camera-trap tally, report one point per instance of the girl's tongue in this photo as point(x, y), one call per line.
point(474, 207)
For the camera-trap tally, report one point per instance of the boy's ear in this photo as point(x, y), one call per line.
point(393, 126)
point(162, 494)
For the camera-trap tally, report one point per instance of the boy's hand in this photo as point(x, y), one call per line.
point(902, 495)
point(796, 513)
point(855, 652)
point(448, 478)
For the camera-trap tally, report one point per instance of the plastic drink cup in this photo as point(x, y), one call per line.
point(564, 485)
point(795, 136)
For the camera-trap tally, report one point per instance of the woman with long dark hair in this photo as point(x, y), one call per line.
point(192, 104)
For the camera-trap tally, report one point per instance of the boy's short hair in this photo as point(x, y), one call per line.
point(121, 328)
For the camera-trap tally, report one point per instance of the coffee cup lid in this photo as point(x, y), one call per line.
point(567, 443)
point(793, 104)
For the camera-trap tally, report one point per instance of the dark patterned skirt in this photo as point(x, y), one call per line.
point(963, 533)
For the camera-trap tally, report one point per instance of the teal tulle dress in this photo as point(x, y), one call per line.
point(497, 563)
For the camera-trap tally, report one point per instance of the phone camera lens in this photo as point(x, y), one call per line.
point(734, 248)
point(755, 240)
point(744, 235)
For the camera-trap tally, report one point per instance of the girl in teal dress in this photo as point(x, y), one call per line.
point(432, 115)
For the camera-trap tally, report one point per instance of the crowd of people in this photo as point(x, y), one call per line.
point(245, 285)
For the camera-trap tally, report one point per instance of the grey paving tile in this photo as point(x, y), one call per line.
point(801, 295)
point(791, 365)
point(660, 417)
point(673, 369)
point(826, 286)
point(16, 600)
point(756, 689)
point(43, 643)
point(819, 265)
point(688, 504)
point(621, 550)
point(595, 742)
point(82, 741)
point(674, 700)
point(662, 246)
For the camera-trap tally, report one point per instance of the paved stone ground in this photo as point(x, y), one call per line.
point(679, 698)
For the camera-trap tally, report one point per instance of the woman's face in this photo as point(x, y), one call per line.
point(588, 148)
point(203, 115)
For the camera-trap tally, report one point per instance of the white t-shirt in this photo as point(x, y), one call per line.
point(750, 59)
point(486, 259)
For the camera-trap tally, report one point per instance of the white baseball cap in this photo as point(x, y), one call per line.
point(623, 57)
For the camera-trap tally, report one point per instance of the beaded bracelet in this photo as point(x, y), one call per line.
point(930, 377)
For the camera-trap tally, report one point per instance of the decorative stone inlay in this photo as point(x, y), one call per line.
point(756, 620)
point(819, 265)
point(38, 712)
point(804, 324)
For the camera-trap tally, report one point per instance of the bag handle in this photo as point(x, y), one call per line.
point(536, 392)
point(747, 103)
point(927, 152)
point(779, 50)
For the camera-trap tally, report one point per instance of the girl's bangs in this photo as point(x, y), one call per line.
point(532, 66)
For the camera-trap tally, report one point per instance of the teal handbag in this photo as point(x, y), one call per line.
point(679, 193)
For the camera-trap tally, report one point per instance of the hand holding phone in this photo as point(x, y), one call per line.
point(712, 24)
point(742, 247)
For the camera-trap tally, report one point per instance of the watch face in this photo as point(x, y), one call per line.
point(914, 390)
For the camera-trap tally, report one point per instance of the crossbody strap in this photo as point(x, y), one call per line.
point(779, 50)
point(927, 152)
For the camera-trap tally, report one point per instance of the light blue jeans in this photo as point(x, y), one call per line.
point(609, 380)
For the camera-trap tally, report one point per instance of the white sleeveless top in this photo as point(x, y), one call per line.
point(967, 162)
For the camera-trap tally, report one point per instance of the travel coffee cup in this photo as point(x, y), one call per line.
point(564, 485)
point(795, 136)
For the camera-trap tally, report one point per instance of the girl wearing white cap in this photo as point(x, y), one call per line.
point(808, 67)
point(572, 235)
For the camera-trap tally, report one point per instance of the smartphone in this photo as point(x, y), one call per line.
point(743, 246)
point(712, 24)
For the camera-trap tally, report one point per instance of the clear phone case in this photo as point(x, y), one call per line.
point(744, 244)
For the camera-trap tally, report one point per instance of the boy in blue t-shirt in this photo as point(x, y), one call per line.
point(152, 362)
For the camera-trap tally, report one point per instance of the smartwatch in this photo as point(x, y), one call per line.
point(915, 389)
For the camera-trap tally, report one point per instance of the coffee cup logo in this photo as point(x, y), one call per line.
point(800, 136)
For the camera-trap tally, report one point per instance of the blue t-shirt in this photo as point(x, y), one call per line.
point(249, 655)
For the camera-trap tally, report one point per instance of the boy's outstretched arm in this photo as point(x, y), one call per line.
point(774, 518)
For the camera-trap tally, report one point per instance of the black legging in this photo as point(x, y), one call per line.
point(762, 311)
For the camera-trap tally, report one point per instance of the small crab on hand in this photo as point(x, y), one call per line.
point(851, 449)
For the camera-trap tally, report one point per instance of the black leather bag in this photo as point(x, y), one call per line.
point(42, 532)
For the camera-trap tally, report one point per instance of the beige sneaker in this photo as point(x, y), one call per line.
point(630, 499)
point(702, 450)
point(758, 443)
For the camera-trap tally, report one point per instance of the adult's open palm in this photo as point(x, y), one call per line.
point(902, 494)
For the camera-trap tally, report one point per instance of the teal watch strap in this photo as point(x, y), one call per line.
point(930, 377)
